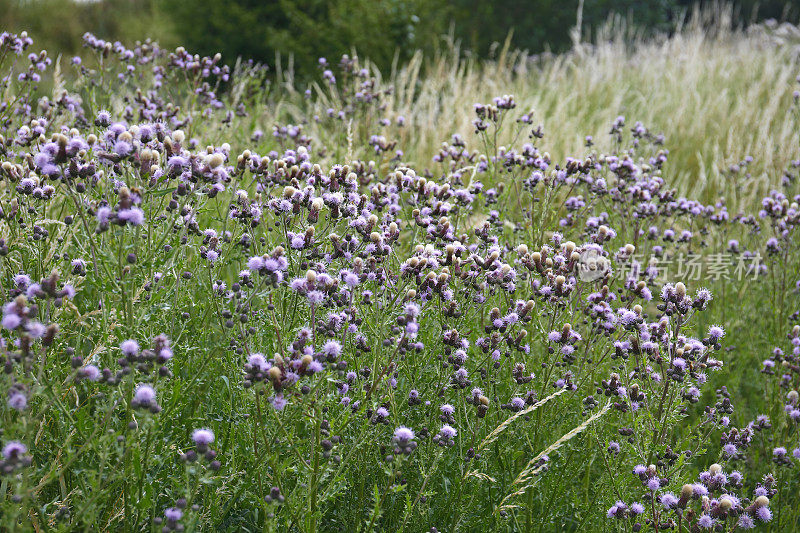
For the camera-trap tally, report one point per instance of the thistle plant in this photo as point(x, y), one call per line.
point(206, 326)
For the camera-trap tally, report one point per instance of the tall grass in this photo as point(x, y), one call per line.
point(717, 93)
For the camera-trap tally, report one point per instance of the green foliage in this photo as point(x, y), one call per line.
point(544, 24)
point(299, 32)
point(303, 30)
point(58, 25)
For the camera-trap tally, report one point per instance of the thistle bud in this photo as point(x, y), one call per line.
point(275, 373)
point(725, 504)
point(215, 160)
point(680, 289)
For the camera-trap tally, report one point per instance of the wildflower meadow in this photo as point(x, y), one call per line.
point(551, 293)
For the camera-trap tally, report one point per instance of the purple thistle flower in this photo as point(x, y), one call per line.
point(764, 514)
point(129, 348)
point(746, 522)
point(91, 372)
point(14, 449)
point(668, 500)
point(11, 320)
point(618, 510)
point(203, 436)
point(332, 349)
point(278, 402)
point(144, 395)
point(403, 434)
point(715, 333)
point(133, 216)
point(255, 263)
point(36, 329)
point(448, 431)
point(17, 401)
point(315, 297)
point(705, 522)
point(103, 214)
point(258, 362)
point(173, 514)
